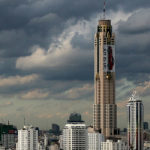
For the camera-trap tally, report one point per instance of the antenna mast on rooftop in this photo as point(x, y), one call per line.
point(104, 10)
point(24, 121)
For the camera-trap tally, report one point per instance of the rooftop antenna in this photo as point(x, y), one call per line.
point(24, 121)
point(104, 10)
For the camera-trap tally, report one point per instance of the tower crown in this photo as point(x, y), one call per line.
point(105, 26)
point(105, 22)
point(75, 117)
point(134, 97)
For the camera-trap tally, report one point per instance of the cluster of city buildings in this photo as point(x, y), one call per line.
point(77, 136)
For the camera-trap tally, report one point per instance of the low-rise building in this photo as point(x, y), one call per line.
point(2, 148)
point(94, 141)
point(147, 145)
point(110, 145)
point(9, 140)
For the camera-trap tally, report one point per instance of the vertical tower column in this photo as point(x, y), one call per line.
point(105, 120)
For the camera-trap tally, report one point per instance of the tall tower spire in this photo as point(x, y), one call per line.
point(104, 10)
point(105, 109)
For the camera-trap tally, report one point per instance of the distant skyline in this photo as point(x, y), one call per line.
point(47, 62)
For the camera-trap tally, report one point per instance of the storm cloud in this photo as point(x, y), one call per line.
point(46, 53)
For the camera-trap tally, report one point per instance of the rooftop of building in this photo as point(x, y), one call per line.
point(28, 127)
point(75, 118)
point(135, 97)
point(105, 22)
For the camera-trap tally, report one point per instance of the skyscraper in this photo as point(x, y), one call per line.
point(104, 117)
point(27, 139)
point(135, 123)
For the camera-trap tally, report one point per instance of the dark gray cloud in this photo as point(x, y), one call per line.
point(32, 87)
point(24, 24)
point(138, 23)
point(133, 46)
point(83, 42)
point(34, 22)
point(65, 75)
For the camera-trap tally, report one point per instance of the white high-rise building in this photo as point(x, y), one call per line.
point(27, 138)
point(75, 134)
point(135, 122)
point(110, 145)
point(94, 141)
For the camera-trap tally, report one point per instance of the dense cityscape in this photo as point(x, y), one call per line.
point(103, 133)
point(77, 136)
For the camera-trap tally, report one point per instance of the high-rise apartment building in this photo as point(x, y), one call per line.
point(105, 109)
point(135, 123)
point(75, 134)
point(27, 138)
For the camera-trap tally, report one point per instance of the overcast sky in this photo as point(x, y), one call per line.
point(46, 58)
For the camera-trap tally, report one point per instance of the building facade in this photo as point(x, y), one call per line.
point(54, 147)
point(105, 109)
point(2, 148)
point(110, 145)
point(9, 140)
point(75, 134)
point(135, 123)
point(61, 142)
point(94, 141)
point(27, 138)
